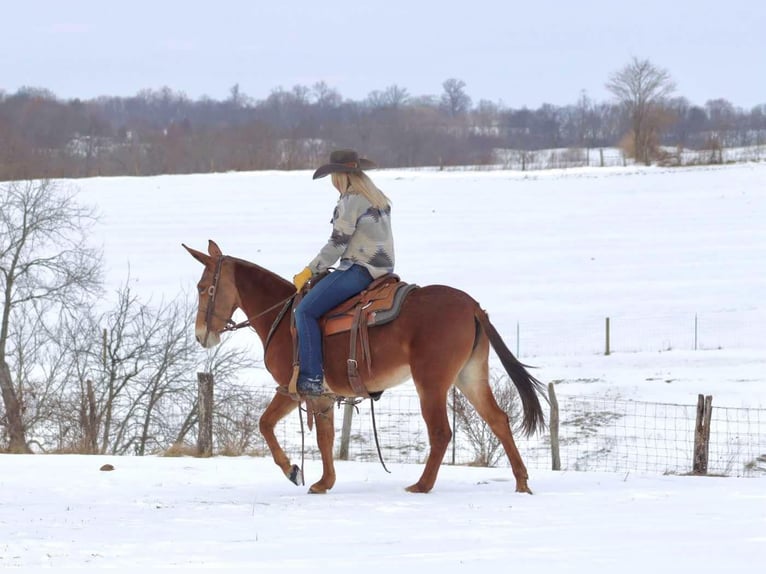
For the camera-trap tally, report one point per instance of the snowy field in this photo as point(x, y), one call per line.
point(238, 514)
point(676, 258)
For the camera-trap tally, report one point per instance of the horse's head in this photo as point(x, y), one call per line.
point(218, 295)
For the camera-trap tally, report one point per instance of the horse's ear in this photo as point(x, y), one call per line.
point(198, 255)
point(213, 249)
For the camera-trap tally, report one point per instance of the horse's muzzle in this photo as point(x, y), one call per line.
point(207, 338)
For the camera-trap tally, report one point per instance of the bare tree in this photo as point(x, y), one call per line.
point(325, 96)
point(454, 100)
point(393, 97)
point(486, 447)
point(642, 88)
point(45, 262)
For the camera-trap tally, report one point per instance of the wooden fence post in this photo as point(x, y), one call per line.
point(554, 428)
point(608, 349)
point(702, 434)
point(205, 410)
point(345, 436)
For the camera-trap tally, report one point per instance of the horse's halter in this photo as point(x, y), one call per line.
point(210, 310)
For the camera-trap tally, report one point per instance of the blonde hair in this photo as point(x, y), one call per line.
point(360, 183)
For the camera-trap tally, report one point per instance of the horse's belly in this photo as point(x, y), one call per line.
point(383, 381)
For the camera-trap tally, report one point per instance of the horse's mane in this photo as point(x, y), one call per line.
point(258, 269)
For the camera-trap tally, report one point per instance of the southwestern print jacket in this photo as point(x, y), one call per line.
point(361, 234)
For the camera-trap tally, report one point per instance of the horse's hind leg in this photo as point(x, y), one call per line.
point(279, 407)
point(473, 382)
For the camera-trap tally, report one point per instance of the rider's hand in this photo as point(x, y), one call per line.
point(300, 279)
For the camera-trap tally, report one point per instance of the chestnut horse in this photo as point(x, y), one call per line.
point(441, 338)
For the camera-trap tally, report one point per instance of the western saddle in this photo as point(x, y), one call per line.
point(378, 304)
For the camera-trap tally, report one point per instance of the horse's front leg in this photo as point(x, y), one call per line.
point(279, 407)
point(322, 408)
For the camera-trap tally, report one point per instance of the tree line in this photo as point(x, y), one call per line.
point(86, 371)
point(163, 131)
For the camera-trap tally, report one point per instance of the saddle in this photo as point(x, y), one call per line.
point(379, 304)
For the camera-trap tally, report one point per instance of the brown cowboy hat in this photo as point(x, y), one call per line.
point(344, 161)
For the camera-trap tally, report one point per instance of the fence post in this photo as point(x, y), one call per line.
point(608, 350)
point(702, 434)
point(554, 428)
point(696, 331)
point(205, 411)
point(345, 434)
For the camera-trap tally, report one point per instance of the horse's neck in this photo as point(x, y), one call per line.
point(259, 291)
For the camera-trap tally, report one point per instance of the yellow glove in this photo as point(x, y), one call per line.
point(300, 279)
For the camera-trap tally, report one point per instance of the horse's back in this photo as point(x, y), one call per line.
point(440, 313)
point(435, 322)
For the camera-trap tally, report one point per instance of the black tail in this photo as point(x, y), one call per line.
point(528, 386)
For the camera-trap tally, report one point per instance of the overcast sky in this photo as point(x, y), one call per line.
point(509, 52)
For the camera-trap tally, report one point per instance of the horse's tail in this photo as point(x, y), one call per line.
point(527, 385)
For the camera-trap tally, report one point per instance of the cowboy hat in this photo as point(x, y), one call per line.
point(344, 161)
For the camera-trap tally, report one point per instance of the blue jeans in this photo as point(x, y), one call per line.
point(328, 293)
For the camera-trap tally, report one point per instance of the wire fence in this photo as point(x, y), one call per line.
point(567, 158)
point(595, 434)
point(631, 333)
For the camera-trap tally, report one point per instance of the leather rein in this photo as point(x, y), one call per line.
point(286, 303)
point(230, 325)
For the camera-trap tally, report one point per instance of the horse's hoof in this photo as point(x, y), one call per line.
point(417, 489)
point(296, 475)
point(317, 489)
point(523, 488)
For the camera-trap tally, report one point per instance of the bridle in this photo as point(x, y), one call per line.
point(211, 294)
point(229, 324)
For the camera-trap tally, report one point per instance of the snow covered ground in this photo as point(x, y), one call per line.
point(676, 258)
point(238, 513)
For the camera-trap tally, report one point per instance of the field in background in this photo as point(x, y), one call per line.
point(673, 257)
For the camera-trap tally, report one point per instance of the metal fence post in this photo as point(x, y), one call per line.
point(345, 434)
point(554, 428)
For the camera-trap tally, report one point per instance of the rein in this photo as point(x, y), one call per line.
point(286, 303)
point(230, 325)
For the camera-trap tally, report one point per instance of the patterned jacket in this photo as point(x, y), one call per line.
point(361, 234)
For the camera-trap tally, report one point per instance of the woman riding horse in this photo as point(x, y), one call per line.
point(361, 238)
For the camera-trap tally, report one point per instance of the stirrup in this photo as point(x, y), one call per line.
point(300, 397)
point(310, 386)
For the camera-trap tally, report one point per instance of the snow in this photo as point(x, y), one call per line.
point(237, 513)
point(550, 255)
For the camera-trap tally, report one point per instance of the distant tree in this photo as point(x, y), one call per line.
point(642, 88)
point(325, 96)
point(723, 120)
point(237, 99)
point(486, 118)
point(454, 99)
point(45, 263)
point(584, 132)
point(393, 97)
